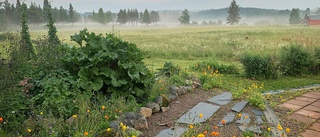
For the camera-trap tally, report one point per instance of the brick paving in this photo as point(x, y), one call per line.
point(306, 109)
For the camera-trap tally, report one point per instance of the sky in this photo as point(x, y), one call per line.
point(116, 5)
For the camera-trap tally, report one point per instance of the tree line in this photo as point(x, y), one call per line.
point(11, 13)
point(124, 16)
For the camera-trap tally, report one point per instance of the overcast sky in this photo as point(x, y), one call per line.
point(115, 5)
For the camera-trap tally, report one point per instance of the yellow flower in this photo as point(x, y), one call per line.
point(124, 127)
point(269, 129)
point(279, 127)
point(244, 91)
point(133, 136)
point(29, 130)
point(103, 107)
point(74, 116)
point(246, 117)
point(288, 130)
point(239, 115)
point(201, 135)
point(233, 136)
point(108, 129)
point(200, 115)
point(41, 113)
point(86, 133)
point(121, 124)
point(88, 111)
point(280, 97)
point(191, 126)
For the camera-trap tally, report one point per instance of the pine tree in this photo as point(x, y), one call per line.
point(72, 14)
point(17, 13)
point(101, 18)
point(108, 16)
point(63, 15)
point(294, 16)
point(122, 17)
point(146, 17)
point(25, 41)
point(52, 32)
point(154, 16)
point(185, 17)
point(233, 11)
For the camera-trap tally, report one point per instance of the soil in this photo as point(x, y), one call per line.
point(184, 103)
point(165, 120)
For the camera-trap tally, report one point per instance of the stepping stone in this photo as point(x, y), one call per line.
point(192, 116)
point(228, 118)
point(257, 112)
point(273, 119)
point(254, 129)
point(176, 132)
point(239, 106)
point(245, 119)
point(259, 120)
point(221, 99)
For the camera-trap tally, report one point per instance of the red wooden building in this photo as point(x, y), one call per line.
point(313, 20)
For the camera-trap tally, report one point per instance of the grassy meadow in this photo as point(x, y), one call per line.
point(186, 46)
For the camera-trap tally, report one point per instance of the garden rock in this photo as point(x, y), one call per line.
point(134, 120)
point(174, 90)
point(132, 130)
point(69, 121)
point(154, 106)
point(165, 100)
point(140, 123)
point(165, 109)
point(196, 84)
point(162, 100)
point(146, 112)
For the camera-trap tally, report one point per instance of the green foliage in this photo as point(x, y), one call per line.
point(26, 44)
point(213, 65)
point(259, 66)
point(210, 81)
point(52, 32)
point(169, 69)
point(185, 17)
point(14, 108)
point(315, 69)
point(177, 80)
point(295, 60)
point(233, 17)
point(108, 64)
point(55, 92)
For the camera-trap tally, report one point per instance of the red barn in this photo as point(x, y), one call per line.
point(313, 20)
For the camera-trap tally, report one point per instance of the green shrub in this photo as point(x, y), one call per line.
point(108, 64)
point(295, 60)
point(55, 93)
point(214, 65)
point(315, 69)
point(258, 66)
point(169, 69)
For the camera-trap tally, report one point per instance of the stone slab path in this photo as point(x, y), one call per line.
point(307, 110)
point(176, 132)
point(192, 116)
point(221, 99)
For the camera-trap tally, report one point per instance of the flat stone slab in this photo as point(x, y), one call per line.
point(245, 119)
point(257, 112)
point(221, 99)
point(239, 106)
point(192, 116)
point(228, 118)
point(176, 132)
point(259, 120)
point(273, 119)
point(254, 129)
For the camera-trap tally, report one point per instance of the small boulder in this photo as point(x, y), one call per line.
point(165, 100)
point(159, 100)
point(154, 106)
point(146, 112)
point(165, 109)
point(140, 124)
